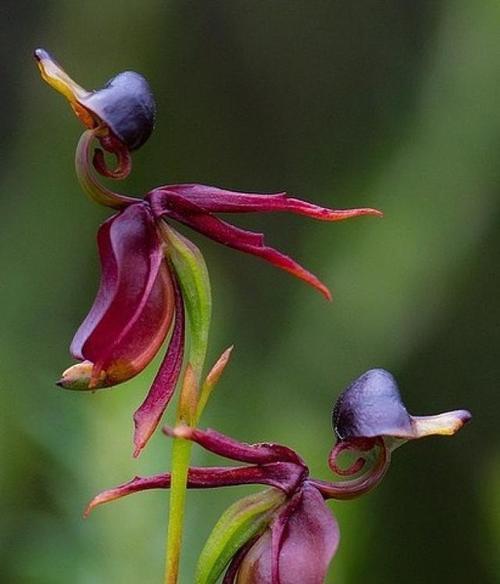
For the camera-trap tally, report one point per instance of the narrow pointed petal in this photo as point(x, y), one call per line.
point(372, 406)
point(137, 484)
point(282, 476)
point(172, 205)
point(298, 547)
point(134, 306)
point(148, 415)
point(216, 200)
point(213, 441)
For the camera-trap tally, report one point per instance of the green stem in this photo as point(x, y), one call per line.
point(89, 184)
point(192, 273)
point(181, 455)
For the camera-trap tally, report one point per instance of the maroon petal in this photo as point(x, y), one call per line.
point(298, 547)
point(280, 475)
point(149, 413)
point(309, 540)
point(262, 453)
point(217, 200)
point(170, 204)
point(133, 309)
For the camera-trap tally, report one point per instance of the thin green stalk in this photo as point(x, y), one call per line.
point(181, 455)
point(83, 165)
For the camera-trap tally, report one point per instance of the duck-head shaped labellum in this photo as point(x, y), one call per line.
point(371, 407)
point(125, 105)
point(134, 307)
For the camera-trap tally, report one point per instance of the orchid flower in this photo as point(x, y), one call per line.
point(286, 534)
point(142, 295)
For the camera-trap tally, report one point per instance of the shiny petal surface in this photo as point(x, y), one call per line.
point(372, 406)
point(175, 206)
point(299, 546)
point(134, 306)
point(218, 443)
point(148, 415)
point(199, 478)
point(216, 200)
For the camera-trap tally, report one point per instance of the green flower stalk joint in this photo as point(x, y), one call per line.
point(290, 538)
point(154, 286)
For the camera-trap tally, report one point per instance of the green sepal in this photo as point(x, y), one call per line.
point(191, 270)
point(240, 523)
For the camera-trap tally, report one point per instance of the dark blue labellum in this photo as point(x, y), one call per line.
point(126, 105)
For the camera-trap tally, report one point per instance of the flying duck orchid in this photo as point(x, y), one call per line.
point(286, 534)
point(145, 262)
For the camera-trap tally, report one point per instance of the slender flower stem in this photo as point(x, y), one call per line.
point(181, 455)
point(193, 278)
point(89, 184)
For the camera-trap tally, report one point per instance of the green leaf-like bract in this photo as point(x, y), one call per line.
point(240, 523)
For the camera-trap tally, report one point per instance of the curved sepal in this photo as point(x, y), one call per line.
point(149, 413)
point(134, 306)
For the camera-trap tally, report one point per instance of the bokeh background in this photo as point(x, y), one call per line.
point(366, 103)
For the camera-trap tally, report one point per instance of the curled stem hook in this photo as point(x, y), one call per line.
point(363, 483)
point(97, 192)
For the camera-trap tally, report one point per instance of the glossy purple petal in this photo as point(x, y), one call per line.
point(261, 453)
point(148, 415)
point(174, 206)
point(216, 200)
point(371, 406)
point(134, 306)
point(284, 476)
point(298, 547)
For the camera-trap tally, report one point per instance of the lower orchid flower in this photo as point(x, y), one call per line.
point(286, 534)
point(141, 298)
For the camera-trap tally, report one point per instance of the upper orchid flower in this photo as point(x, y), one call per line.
point(140, 298)
point(287, 535)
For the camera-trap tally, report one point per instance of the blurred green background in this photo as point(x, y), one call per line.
point(387, 104)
